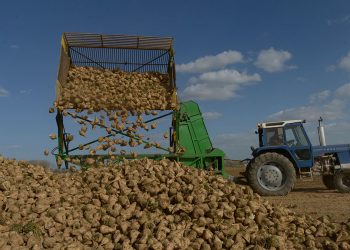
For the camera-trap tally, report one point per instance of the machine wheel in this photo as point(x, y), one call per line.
point(342, 182)
point(271, 174)
point(328, 181)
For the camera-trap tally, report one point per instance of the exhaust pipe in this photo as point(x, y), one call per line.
point(321, 135)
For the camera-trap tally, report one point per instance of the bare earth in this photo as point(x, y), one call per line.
point(311, 197)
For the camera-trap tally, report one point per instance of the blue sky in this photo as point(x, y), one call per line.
point(243, 61)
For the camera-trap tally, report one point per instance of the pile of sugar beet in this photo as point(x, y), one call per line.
point(98, 89)
point(147, 204)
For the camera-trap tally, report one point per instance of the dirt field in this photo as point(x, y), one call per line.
point(311, 197)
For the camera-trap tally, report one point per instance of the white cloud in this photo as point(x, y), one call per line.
point(345, 62)
point(272, 60)
point(298, 113)
point(337, 133)
point(341, 20)
point(207, 63)
point(206, 91)
point(4, 92)
point(218, 85)
point(211, 115)
point(320, 105)
point(343, 91)
point(225, 76)
point(333, 110)
point(320, 96)
point(330, 111)
point(25, 91)
point(331, 68)
point(301, 79)
point(15, 146)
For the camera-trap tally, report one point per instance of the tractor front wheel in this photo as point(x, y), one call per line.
point(271, 174)
point(342, 182)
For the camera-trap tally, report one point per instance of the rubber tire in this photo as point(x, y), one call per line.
point(338, 181)
point(328, 181)
point(282, 162)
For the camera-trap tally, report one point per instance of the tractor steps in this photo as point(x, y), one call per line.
point(305, 174)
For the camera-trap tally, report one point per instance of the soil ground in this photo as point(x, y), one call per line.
point(311, 197)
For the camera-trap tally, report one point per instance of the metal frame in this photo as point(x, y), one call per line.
point(131, 54)
point(63, 144)
point(199, 159)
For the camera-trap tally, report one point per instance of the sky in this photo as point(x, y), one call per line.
point(244, 62)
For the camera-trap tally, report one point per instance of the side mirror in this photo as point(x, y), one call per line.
point(256, 132)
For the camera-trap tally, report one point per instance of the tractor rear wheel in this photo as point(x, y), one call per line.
point(342, 182)
point(271, 174)
point(328, 181)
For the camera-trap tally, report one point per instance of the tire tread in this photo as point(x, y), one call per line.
point(339, 182)
point(268, 157)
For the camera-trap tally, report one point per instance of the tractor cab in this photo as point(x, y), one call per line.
point(288, 138)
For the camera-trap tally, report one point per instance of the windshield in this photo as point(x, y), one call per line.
point(295, 136)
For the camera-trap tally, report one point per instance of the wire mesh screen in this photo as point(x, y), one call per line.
point(127, 53)
point(124, 59)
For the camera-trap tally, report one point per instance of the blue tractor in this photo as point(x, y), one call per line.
point(285, 152)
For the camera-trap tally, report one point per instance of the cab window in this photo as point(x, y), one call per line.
point(274, 136)
point(295, 136)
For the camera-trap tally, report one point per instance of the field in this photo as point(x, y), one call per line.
point(311, 197)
